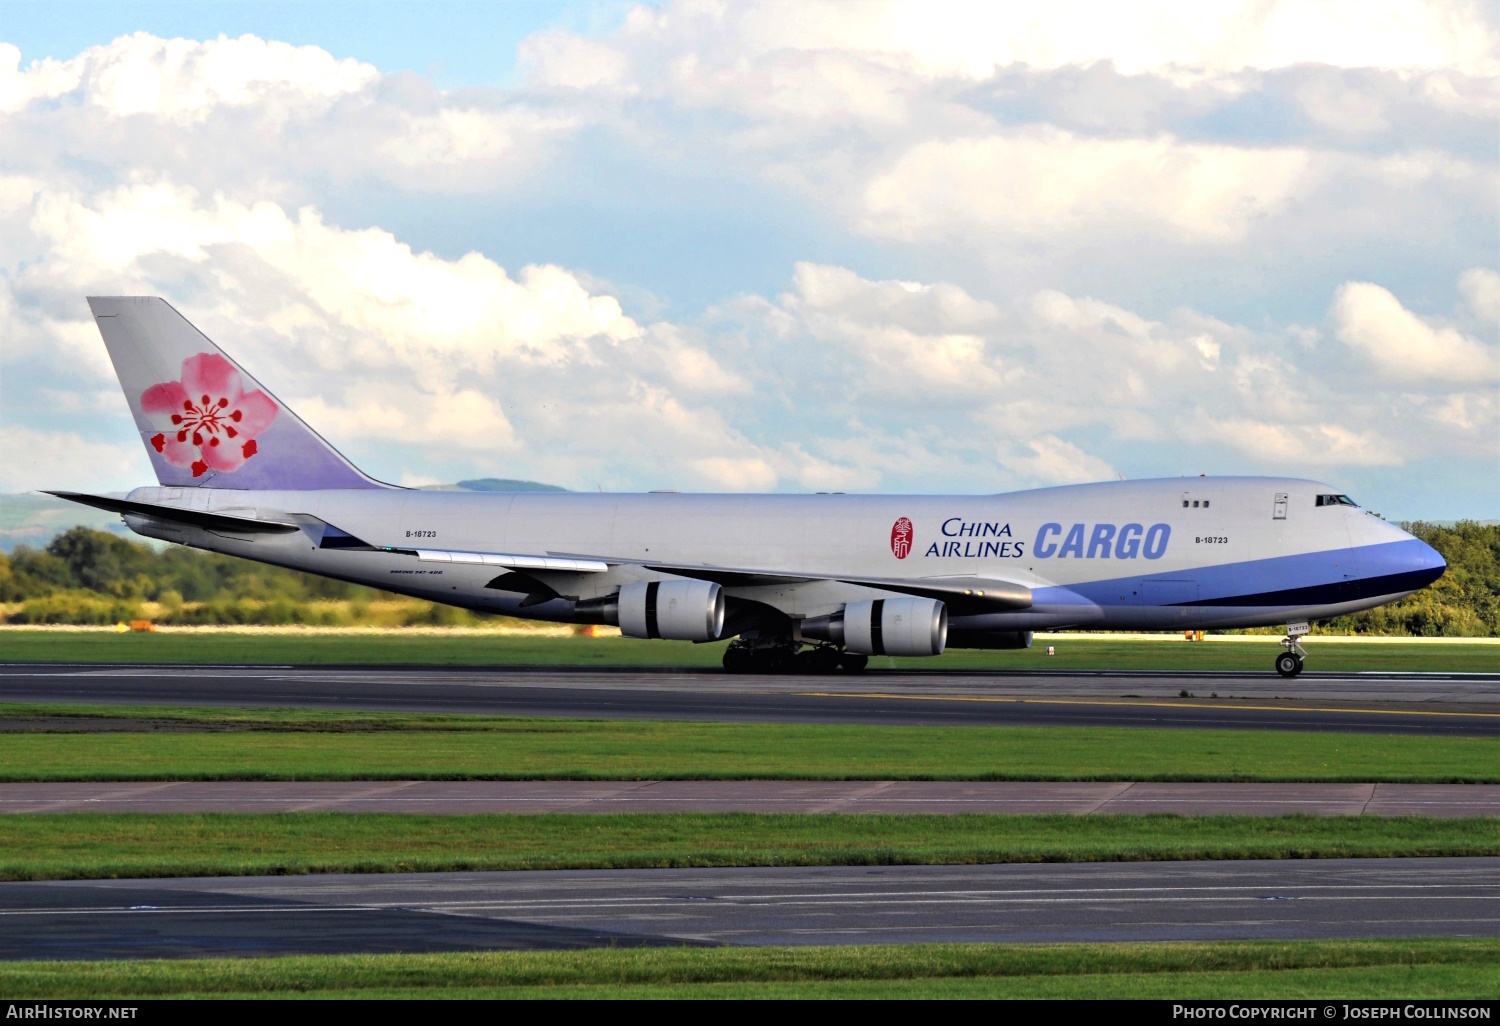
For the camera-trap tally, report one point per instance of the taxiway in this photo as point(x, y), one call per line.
point(1451, 704)
point(1228, 900)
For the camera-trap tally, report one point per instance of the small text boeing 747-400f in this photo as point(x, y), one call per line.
point(816, 582)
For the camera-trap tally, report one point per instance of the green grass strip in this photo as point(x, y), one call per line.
point(1327, 969)
point(342, 746)
point(84, 717)
point(85, 846)
point(496, 650)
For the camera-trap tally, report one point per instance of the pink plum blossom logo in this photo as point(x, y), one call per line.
point(207, 421)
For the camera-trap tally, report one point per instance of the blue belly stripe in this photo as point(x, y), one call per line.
point(1313, 578)
point(1333, 594)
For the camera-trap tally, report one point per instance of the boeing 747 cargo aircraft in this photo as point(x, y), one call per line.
point(812, 582)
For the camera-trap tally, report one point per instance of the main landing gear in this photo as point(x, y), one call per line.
point(765, 655)
point(1289, 663)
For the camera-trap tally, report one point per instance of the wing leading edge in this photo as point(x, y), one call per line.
point(962, 594)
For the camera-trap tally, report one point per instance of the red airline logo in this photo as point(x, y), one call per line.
point(901, 534)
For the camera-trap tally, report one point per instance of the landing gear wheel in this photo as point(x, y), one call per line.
point(773, 660)
point(853, 662)
point(1289, 664)
point(738, 660)
point(823, 659)
point(758, 657)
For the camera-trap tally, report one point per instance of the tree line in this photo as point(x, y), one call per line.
point(86, 576)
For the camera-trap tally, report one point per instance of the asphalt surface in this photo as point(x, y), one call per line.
point(458, 797)
point(1334, 898)
point(1440, 704)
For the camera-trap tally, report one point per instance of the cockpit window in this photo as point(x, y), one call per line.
point(1336, 500)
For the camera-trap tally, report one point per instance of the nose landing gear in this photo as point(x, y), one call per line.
point(1289, 663)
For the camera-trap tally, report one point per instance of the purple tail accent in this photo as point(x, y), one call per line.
point(205, 422)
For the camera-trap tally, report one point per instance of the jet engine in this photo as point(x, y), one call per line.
point(676, 610)
point(898, 627)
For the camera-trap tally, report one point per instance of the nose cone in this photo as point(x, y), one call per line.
point(1410, 563)
point(1433, 565)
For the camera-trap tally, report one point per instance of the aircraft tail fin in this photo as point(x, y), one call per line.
point(205, 422)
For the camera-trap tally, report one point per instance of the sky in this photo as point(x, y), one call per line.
point(776, 246)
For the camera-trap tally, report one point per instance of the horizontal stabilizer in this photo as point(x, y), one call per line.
point(175, 514)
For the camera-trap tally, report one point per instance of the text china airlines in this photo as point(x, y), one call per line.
point(970, 539)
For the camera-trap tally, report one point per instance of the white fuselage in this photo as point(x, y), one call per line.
point(1174, 553)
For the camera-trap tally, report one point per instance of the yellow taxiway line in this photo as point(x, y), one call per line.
point(1156, 705)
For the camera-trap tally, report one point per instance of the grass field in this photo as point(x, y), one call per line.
point(103, 846)
point(213, 744)
point(462, 649)
point(1406, 969)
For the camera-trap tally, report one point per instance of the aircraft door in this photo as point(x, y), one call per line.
point(1169, 591)
point(1278, 508)
point(1169, 601)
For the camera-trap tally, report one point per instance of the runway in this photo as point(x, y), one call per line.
point(461, 797)
point(1335, 898)
point(1440, 704)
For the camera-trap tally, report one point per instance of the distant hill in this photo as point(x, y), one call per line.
point(505, 484)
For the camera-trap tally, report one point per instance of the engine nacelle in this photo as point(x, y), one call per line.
point(677, 610)
point(898, 627)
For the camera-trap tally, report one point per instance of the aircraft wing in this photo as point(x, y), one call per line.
point(176, 514)
point(513, 561)
point(961, 594)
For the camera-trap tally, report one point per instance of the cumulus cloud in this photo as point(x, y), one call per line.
point(463, 143)
point(1318, 445)
point(470, 420)
point(393, 351)
point(183, 80)
point(1480, 288)
point(1045, 372)
point(878, 121)
point(247, 113)
point(1045, 181)
point(1006, 127)
point(33, 459)
point(1142, 205)
point(1403, 346)
point(972, 37)
point(382, 344)
point(365, 280)
point(906, 341)
point(1051, 460)
point(408, 479)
